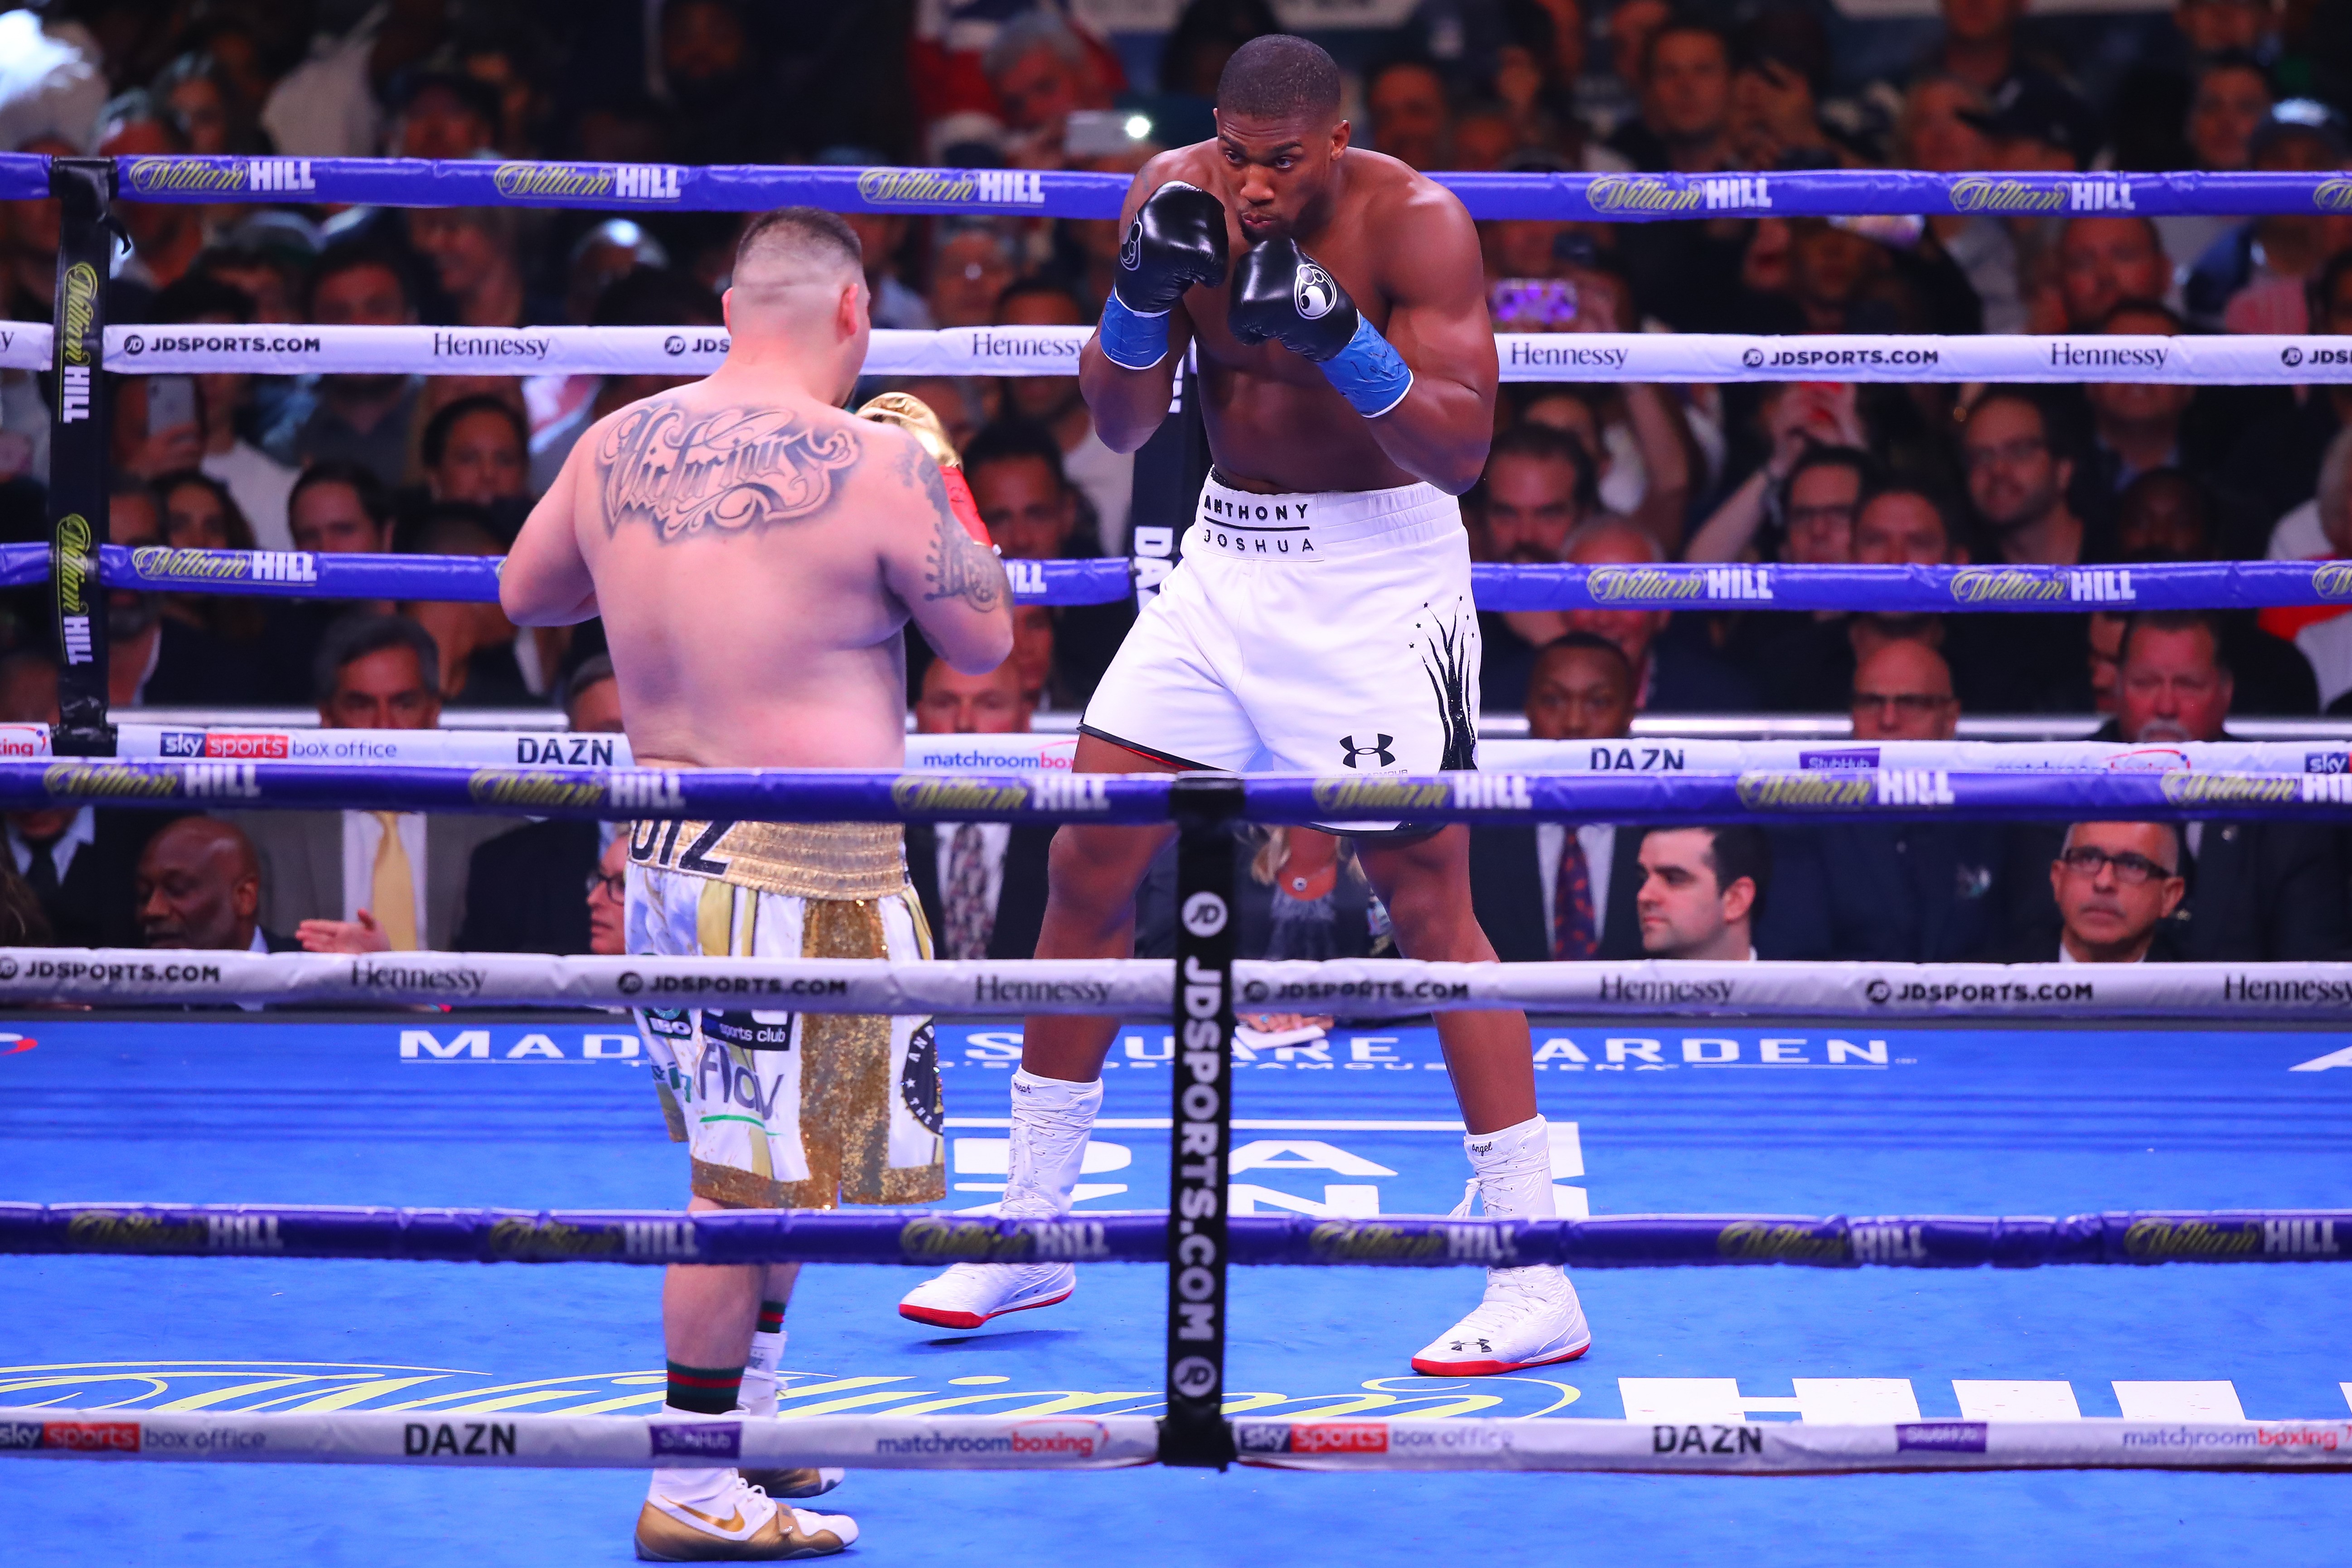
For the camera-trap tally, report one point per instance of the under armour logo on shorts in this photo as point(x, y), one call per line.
point(1349, 750)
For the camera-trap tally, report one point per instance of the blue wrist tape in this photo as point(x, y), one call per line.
point(1130, 338)
point(1369, 373)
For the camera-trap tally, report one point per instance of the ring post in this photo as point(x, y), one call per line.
point(1195, 1431)
point(77, 454)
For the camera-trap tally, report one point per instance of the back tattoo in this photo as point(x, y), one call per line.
point(733, 468)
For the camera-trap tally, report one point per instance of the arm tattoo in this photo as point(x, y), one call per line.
point(959, 566)
point(734, 469)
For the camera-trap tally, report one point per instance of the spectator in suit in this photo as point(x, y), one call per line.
point(1701, 888)
point(2018, 480)
point(199, 886)
point(337, 508)
point(2256, 891)
point(154, 658)
point(983, 884)
point(77, 861)
point(522, 888)
point(1909, 892)
point(2116, 886)
point(1672, 674)
point(365, 419)
point(369, 882)
point(1549, 890)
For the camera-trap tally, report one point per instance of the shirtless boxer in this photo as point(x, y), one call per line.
point(1322, 619)
point(755, 554)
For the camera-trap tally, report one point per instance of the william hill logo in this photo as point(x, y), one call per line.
point(2230, 789)
point(914, 792)
point(2333, 195)
point(1994, 193)
point(1380, 795)
point(106, 781)
point(2332, 579)
point(1807, 790)
point(505, 786)
point(1751, 1242)
point(570, 181)
point(1616, 584)
point(1640, 193)
point(2006, 585)
point(951, 187)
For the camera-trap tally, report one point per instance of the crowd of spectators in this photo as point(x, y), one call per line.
point(1588, 473)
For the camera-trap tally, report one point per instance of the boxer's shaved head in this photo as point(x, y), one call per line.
point(797, 245)
point(1279, 76)
point(799, 287)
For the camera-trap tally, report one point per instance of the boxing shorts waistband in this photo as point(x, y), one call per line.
point(1302, 529)
point(839, 860)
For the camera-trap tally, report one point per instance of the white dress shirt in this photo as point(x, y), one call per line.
point(363, 835)
point(81, 830)
point(1599, 841)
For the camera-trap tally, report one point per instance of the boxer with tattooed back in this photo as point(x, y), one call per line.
point(756, 553)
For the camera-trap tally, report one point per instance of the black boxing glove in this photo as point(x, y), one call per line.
point(1280, 293)
point(1178, 240)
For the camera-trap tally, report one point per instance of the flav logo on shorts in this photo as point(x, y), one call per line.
point(1349, 750)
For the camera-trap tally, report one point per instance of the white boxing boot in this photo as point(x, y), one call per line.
point(709, 1514)
point(1530, 1316)
point(1051, 1120)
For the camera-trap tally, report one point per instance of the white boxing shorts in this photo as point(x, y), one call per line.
point(1328, 634)
point(786, 1110)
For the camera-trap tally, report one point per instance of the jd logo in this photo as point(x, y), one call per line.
point(1349, 750)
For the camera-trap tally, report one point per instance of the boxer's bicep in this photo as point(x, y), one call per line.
point(545, 581)
point(953, 586)
point(1437, 283)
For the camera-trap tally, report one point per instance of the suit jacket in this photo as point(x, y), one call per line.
point(1905, 892)
point(302, 866)
point(1506, 891)
point(2258, 891)
point(93, 903)
point(2041, 947)
point(525, 890)
point(1020, 897)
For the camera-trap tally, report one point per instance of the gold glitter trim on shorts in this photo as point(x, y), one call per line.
point(831, 860)
point(742, 1189)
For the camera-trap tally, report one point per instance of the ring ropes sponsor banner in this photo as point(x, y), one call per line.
point(1079, 1442)
point(1358, 988)
point(1613, 198)
point(581, 1442)
point(2229, 360)
point(1932, 590)
point(1474, 1443)
point(927, 1238)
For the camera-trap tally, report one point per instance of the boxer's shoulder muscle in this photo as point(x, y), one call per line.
point(685, 464)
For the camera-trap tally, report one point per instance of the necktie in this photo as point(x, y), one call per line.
point(392, 890)
point(42, 876)
point(970, 920)
point(1573, 928)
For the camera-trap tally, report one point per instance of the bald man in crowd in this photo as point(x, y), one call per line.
point(199, 886)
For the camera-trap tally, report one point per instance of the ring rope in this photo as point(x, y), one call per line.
point(925, 1238)
point(816, 795)
point(2234, 358)
point(1030, 753)
point(1606, 199)
point(1080, 1442)
point(1358, 988)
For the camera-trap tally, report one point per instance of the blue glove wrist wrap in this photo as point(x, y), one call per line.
point(1368, 371)
point(1131, 340)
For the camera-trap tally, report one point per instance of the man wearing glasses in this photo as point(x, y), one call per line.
point(2116, 885)
point(2018, 477)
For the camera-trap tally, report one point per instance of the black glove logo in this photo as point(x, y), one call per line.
point(1130, 251)
point(1313, 293)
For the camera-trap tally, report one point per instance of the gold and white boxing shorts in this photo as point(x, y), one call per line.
point(785, 1109)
